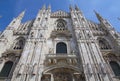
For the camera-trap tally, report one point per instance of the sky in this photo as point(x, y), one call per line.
point(108, 9)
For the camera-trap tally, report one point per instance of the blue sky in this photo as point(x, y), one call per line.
point(109, 9)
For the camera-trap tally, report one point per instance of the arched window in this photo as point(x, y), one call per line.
point(115, 67)
point(61, 47)
point(19, 43)
point(104, 44)
point(6, 69)
point(61, 24)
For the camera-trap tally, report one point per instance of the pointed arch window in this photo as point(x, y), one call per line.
point(6, 69)
point(61, 48)
point(115, 67)
point(61, 24)
point(19, 44)
point(104, 44)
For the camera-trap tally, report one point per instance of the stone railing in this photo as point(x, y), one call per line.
point(54, 59)
point(61, 32)
point(62, 55)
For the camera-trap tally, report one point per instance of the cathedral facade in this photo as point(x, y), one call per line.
point(59, 46)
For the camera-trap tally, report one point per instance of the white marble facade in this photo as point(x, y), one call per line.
point(59, 46)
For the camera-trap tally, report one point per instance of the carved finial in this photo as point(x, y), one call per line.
point(21, 15)
point(98, 16)
point(76, 7)
point(71, 7)
point(44, 7)
point(49, 6)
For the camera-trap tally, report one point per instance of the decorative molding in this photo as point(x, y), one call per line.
point(61, 33)
point(60, 14)
point(14, 52)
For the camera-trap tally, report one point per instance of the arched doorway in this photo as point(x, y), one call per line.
point(62, 74)
point(61, 47)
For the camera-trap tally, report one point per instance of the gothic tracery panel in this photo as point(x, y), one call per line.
point(46, 78)
point(61, 76)
point(19, 44)
point(61, 24)
point(103, 44)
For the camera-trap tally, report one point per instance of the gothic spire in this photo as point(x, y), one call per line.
point(16, 21)
point(76, 7)
point(71, 7)
point(100, 18)
point(49, 6)
point(21, 15)
point(44, 7)
point(103, 21)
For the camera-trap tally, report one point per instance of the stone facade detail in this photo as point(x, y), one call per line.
point(59, 46)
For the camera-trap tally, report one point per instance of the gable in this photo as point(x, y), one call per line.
point(60, 14)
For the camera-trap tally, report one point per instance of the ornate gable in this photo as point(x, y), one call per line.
point(60, 14)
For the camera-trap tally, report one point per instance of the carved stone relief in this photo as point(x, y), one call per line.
point(51, 50)
point(61, 76)
point(79, 77)
point(46, 78)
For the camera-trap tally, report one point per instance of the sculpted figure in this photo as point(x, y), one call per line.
point(50, 50)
